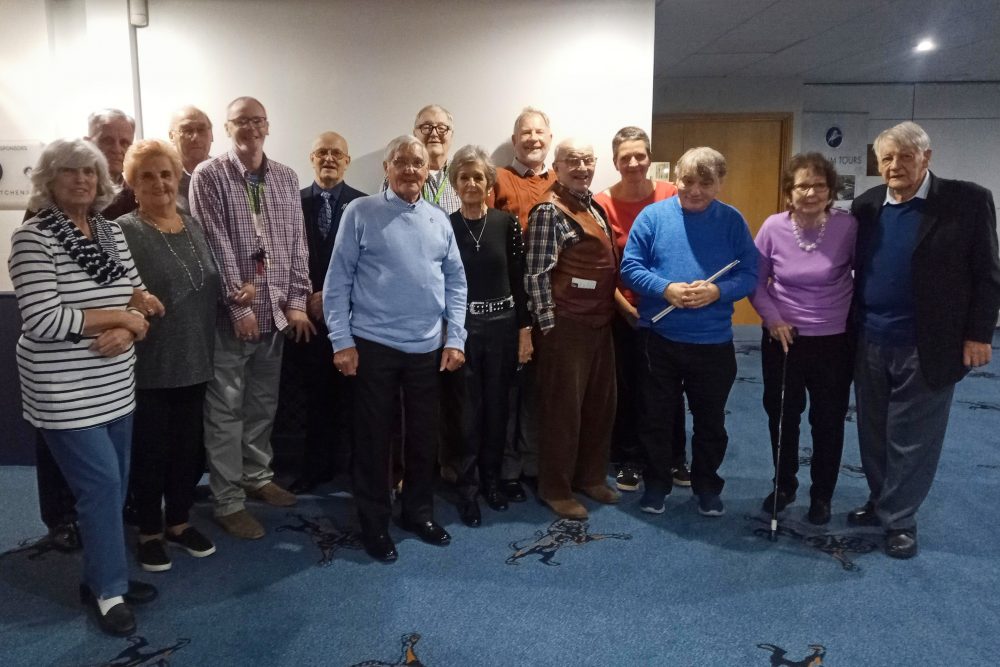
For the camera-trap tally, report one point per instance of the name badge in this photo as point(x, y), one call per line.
point(583, 284)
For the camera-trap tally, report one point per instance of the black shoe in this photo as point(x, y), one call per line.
point(469, 512)
point(494, 497)
point(192, 541)
point(901, 543)
point(152, 555)
point(65, 537)
point(513, 490)
point(118, 621)
point(681, 475)
point(863, 516)
point(784, 500)
point(380, 547)
point(819, 512)
point(139, 592)
point(428, 531)
point(628, 477)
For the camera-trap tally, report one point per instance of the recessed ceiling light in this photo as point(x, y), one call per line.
point(925, 45)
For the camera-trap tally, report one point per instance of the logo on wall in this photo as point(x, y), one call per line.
point(840, 547)
point(778, 659)
point(139, 654)
point(834, 137)
point(324, 534)
point(408, 657)
point(561, 533)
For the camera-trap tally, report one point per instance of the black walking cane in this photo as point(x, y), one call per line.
point(777, 459)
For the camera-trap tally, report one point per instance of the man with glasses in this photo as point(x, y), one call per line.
point(191, 134)
point(328, 405)
point(395, 276)
point(572, 269)
point(251, 211)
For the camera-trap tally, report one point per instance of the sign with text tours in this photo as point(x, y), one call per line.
point(843, 139)
point(17, 158)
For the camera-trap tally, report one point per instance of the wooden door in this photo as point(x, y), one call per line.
point(756, 147)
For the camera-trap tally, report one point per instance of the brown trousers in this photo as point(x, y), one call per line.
point(576, 387)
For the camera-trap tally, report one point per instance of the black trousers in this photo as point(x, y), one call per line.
point(382, 372)
point(823, 367)
point(486, 378)
point(329, 409)
point(56, 502)
point(705, 374)
point(625, 444)
point(168, 455)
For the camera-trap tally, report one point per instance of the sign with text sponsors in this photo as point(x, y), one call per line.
point(843, 139)
point(17, 158)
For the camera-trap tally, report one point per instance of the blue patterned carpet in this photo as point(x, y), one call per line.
point(624, 589)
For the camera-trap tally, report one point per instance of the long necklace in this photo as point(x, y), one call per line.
point(194, 253)
point(469, 227)
point(807, 246)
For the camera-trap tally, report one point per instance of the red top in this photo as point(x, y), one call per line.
point(621, 215)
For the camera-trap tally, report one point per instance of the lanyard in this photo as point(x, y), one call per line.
point(437, 195)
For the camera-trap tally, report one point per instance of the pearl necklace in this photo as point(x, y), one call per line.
point(469, 228)
point(809, 247)
point(194, 253)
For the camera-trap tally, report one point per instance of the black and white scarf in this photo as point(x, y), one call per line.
point(99, 258)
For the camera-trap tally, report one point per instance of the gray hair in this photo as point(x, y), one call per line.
point(907, 134)
point(704, 161)
point(531, 111)
point(399, 142)
point(100, 118)
point(569, 144)
point(434, 107)
point(630, 133)
point(69, 154)
point(471, 155)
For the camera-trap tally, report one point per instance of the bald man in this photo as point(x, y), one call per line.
point(191, 134)
point(328, 436)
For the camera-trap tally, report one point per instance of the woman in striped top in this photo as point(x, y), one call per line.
point(82, 306)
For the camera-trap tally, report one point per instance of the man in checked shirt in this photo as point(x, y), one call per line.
point(572, 267)
point(250, 209)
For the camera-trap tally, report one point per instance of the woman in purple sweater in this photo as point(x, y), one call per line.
point(803, 295)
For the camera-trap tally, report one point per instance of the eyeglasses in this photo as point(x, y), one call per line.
point(191, 132)
point(427, 129)
point(818, 188)
point(336, 154)
point(257, 121)
point(401, 164)
point(574, 160)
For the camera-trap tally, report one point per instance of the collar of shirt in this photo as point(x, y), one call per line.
point(522, 168)
point(241, 168)
point(586, 198)
point(921, 192)
point(396, 200)
point(335, 191)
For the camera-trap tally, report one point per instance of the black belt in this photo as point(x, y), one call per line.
point(491, 306)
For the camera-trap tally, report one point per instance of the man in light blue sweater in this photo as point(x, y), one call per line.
point(395, 292)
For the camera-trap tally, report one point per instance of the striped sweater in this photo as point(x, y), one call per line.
point(63, 384)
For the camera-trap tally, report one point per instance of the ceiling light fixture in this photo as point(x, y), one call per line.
point(925, 45)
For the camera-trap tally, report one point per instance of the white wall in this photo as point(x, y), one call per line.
point(361, 69)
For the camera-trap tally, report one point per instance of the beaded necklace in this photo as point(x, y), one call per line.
point(807, 246)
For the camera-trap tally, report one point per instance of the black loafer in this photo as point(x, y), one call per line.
point(863, 516)
point(119, 621)
point(470, 514)
point(495, 498)
point(428, 531)
point(138, 592)
point(380, 547)
point(65, 537)
point(819, 512)
point(784, 500)
point(513, 490)
point(901, 543)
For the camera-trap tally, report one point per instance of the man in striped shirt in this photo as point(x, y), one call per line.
point(249, 206)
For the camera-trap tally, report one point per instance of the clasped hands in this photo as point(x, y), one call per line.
point(691, 295)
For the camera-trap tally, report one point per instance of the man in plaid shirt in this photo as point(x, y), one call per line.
point(250, 209)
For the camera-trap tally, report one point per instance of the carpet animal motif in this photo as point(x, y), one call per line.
point(561, 533)
point(805, 459)
point(139, 654)
point(746, 349)
point(778, 659)
point(408, 657)
point(35, 547)
point(986, 375)
point(977, 405)
point(838, 546)
point(325, 535)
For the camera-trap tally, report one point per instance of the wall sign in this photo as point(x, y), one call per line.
point(17, 158)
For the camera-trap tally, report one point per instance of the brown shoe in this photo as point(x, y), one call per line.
point(242, 525)
point(602, 493)
point(272, 494)
point(569, 508)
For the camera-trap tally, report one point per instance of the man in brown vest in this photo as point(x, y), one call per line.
point(572, 267)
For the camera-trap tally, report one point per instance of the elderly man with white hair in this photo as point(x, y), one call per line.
point(927, 293)
point(191, 133)
point(113, 131)
point(572, 270)
point(395, 277)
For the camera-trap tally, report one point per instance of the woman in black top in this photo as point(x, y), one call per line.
point(498, 323)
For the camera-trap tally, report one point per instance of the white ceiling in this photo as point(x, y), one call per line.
point(828, 41)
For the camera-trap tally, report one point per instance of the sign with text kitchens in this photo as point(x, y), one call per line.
point(17, 158)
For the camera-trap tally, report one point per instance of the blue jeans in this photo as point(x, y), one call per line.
point(95, 463)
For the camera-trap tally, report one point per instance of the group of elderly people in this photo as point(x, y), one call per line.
point(427, 297)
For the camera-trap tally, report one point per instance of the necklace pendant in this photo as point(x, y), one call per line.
point(477, 247)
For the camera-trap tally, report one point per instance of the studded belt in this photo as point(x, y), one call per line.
point(491, 306)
